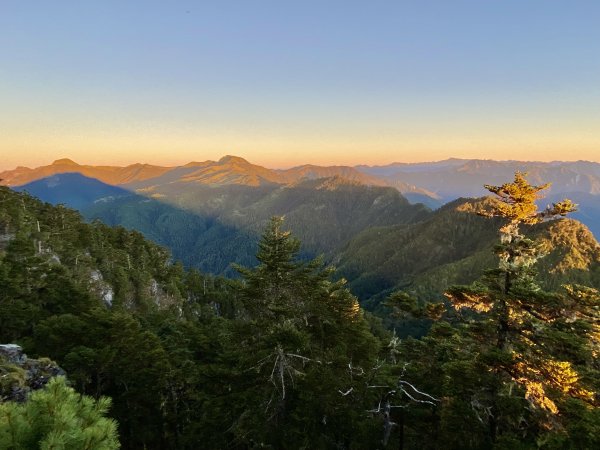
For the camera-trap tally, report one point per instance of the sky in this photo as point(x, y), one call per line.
point(283, 83)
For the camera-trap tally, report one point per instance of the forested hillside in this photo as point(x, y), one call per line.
point(95, 299)
point(284, 357)
point(452, 246)
point(210, 227)
point(323, 212)
point(186, 358)
point(379, 241)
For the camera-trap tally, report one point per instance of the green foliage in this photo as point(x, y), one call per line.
point(284, 357)
point(452, 246)
point(95, 299)
point(56, 417)
point(189, 358)
point(529, 351)
point(290, 347)
point(208, 227)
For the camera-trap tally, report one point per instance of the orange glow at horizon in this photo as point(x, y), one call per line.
point(280, 153)
point(278, 156)
point(249, 81)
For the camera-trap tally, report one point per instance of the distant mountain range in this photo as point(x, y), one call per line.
point(430, 183)
point(454, 178)
point(227, 171)
point(211, 226)
point(108, 174)
point(211, 213)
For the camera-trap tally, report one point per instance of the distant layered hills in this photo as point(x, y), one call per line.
point(454, 178)
point(226, 171)
point(453, 246)
point(211, 226)
point(434, 183)
point(364, 219)
point(108, 174)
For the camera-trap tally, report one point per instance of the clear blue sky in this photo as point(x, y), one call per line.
point(282, 82)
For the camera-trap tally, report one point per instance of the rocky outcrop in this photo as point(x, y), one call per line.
point(20, 375)
point(102, 288)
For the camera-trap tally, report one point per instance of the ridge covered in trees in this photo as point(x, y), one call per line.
point(452, 246)
point(284, 357)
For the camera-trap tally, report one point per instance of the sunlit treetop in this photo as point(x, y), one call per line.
point(516, 202)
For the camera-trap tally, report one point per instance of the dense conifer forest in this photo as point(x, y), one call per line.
point(160, 357)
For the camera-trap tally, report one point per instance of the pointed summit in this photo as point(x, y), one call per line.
point(64, 162)
point(232, 159)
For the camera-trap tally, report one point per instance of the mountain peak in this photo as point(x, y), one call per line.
point(232, 159)
point(64, 162)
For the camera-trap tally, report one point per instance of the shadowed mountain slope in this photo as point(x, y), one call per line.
point(72, 189)
point(323, 213)
point(196, 240)
point(379, 241)
point(229, 170)
point(211, 226)
point(108, 174)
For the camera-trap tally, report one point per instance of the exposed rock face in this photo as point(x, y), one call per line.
point(20, 375)
point(104, 290)
point(12, 353)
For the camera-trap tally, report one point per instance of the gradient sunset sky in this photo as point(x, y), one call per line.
point(288, 82)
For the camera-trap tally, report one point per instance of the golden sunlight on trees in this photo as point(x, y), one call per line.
point(529, 339)
point(516, 202)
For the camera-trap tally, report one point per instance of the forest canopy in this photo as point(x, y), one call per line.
point(284, 356)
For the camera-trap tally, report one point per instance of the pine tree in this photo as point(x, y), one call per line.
point(296, 335)
point(527, 338)
point(56, 417)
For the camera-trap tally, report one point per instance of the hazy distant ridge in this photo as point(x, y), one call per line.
point(229, 170)
point(431, 183)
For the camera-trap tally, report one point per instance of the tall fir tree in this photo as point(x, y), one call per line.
point(296, 335)
point(529, 343)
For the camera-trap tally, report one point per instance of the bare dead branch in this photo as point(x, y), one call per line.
point(347, 392)
point(402, 382)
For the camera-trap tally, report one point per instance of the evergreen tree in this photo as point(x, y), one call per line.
point(296, 335)
point(56, 417)
point(110, 353)
point(528, 343)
